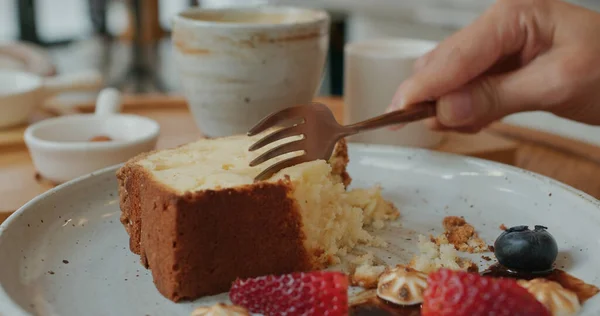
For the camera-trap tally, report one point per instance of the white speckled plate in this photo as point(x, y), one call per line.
point(65, 252)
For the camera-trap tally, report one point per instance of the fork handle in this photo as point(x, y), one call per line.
point(416, 112)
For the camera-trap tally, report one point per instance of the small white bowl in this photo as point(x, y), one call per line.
point(61, 149)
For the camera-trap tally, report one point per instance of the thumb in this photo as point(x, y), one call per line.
point(475, 104)
point(490, 98)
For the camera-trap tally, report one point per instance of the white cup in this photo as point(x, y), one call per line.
point(373, 71)
point(239, 64)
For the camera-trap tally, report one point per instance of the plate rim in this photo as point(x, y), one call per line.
point(8, 305)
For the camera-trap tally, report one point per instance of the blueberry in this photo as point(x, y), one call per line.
point(521, 249)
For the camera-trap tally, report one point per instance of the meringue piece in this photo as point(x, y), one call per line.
point(558, 300)
point(220, 309)
point(402, 285)
point(367, 276)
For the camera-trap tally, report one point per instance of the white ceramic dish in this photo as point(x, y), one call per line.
point(61, 149)
point(78, 223)
point(22, 92)
point(24, 56)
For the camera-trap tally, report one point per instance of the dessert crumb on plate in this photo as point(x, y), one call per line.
point(434, 256)
point(461, 235)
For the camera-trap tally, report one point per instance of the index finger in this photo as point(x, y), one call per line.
point(463, 56)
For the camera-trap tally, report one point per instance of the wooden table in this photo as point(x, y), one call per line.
point(569, 161)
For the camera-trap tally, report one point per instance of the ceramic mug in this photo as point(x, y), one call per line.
point(373, 71)
point(239, 64)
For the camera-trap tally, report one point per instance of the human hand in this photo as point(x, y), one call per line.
point(520, 55)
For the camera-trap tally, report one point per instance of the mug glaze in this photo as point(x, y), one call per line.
point(239, 64)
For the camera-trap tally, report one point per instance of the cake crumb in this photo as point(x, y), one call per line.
point(434, 256)
point(367, 276)
point(461, 235)
point(364, 259)
point(486, 258)
point(378, 242)
point(503, 227)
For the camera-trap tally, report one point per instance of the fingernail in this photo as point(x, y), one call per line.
point(395, 106)
point(396, 103)
point(399, 99)
point(456, 108)
point(420, 63)
point(397, 126)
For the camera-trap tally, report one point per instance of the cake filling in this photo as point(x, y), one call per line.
point(335, 220)
point(211, 164)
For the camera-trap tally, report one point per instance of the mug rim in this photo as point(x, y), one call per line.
point(395, 47)
point(317, 16)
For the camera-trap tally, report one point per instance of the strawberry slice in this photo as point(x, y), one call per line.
point(459, 293)
point(313, 293)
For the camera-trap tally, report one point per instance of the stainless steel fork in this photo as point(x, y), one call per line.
point(320, 132)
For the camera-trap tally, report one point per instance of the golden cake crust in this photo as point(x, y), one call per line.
point(197, 243)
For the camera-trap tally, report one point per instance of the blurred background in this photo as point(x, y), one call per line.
point(102, 34)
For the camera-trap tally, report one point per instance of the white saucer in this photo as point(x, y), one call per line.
point(66, 253)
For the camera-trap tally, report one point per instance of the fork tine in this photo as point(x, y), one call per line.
point(296, 145)
point(277, 135)
point(265, 174)
point(272, 119)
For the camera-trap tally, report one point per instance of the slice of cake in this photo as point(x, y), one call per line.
point(199, 221)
